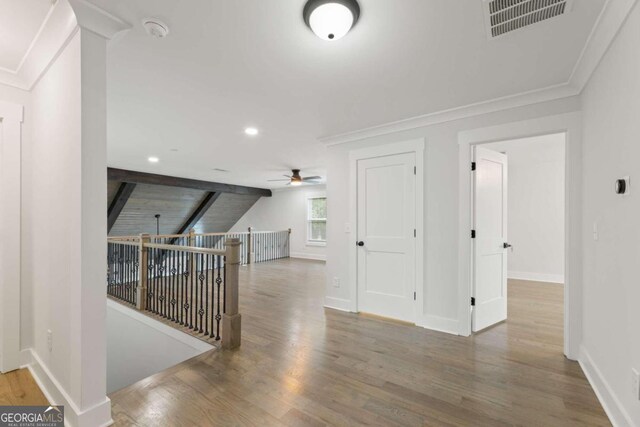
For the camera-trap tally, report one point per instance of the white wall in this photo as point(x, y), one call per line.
point(286, 209)
point(22, 97)
point(441, 219)
point(535, 206)
point(138, 346)
point(64, 227)
point(611, 135)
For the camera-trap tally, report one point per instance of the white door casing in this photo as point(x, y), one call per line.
point(11, 116)
point(386, 226)
point(490, 227)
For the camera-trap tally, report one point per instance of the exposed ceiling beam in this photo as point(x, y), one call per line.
point(118, 202)
point(135, 177)
point(199, 212)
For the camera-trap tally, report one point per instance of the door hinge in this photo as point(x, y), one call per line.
point(473, 166)
point(473, 234)
point(414, 170)
point(414, 233)
point(414, 296)
point(473, 302)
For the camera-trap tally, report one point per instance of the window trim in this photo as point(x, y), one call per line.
point(309, 220)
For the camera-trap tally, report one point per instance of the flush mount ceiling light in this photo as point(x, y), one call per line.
point(331, 19)
point(251, 131)
point(153, 159)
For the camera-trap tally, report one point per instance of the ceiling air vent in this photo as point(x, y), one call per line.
point(504, 16)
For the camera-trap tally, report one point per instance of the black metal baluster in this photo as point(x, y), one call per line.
point(193, 273)
point(218, 315)
point(206, 300)
point(201, 277)
point(174, 281)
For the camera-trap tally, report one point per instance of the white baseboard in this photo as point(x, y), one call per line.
point(440, 324)
point(611, 404)
point(98, 415)
point(337, 303)
point(536, 277)
point(304, 255)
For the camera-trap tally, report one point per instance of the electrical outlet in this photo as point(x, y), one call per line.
point(595, 231)
point(347, 227)
point(336, 282)
point(636, 384)
point(49, 340)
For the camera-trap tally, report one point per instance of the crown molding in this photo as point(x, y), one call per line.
point(60, 25)
point(91, 17)
point(607, 26)
point(485, 107)
point(611, 19)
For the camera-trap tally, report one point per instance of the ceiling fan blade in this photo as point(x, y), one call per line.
point(311, 178)
point(273, 180)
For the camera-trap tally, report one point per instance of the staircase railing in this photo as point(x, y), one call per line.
point(257, 246)
point(192, 286)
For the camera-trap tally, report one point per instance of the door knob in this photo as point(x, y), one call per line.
point(360, 243)
point(506, 245)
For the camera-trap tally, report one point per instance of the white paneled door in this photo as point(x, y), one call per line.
point(490, 242)
point(386, 243)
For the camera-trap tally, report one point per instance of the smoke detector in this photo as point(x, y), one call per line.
point(155, 28)
point(505, 16)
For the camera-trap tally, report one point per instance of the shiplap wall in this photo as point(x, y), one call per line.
point(175, 205)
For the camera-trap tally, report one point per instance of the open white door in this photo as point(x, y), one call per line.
point(490, 242)
point(386, 205)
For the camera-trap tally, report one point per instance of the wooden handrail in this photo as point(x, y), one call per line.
point(124, 242)
point(191, 249)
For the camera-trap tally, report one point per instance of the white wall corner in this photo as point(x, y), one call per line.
point(609, 22)
point(440, 324)
point(610, 402)
point(92, 18)
point(56, 31)
point(338, 304)
point(97, 415)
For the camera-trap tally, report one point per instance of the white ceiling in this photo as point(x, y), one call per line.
point(230, 64)
point(20, 21)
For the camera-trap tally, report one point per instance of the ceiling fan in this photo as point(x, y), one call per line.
point(296, 179)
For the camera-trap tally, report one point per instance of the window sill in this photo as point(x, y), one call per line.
point(316, 244)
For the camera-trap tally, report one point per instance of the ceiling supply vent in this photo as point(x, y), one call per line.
point(504, 16)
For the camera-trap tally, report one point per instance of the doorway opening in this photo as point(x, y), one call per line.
point(518, 246)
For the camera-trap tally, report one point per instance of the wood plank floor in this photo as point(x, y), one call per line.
point(303, 365)
point(19, 388)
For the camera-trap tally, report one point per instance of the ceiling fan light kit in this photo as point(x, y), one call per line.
point(295, 179)
point(331, 19)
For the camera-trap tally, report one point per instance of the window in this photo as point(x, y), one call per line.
point(317, 220)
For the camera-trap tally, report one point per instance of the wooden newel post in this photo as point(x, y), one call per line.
point(231, 319)
point(249, 246)
point(143, 271)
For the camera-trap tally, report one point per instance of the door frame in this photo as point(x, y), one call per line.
point(411, 146)
point(11, 118)
point(570, 125)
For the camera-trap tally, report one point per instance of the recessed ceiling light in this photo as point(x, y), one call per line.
point(153, 159)
point(251, 131)
point(331, 19)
